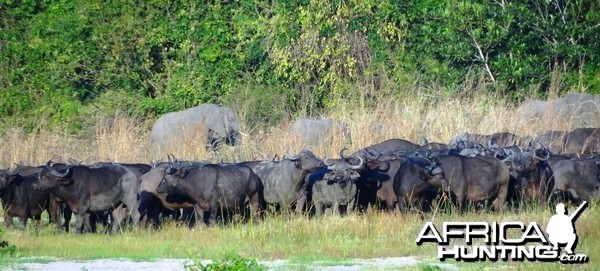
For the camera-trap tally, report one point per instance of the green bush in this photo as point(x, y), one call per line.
point(231, 262)
point(6, 249)
point(58, 59)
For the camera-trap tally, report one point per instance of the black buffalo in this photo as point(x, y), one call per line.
point(413, 182)
point(480, 179)
point(152, 203)
point(532, 176)
point(87, 190)
point(215, 188)
point(21, 200)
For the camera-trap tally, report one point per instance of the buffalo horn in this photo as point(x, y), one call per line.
point(63, 174)
point(329, 166)
point(541, 158)
point(15, 171)
point(359, 164)
point(289, 156)
point(342, 153)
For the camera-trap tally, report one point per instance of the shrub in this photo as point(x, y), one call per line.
point(230, 262)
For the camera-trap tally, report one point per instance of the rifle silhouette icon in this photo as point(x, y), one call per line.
point(578, 211)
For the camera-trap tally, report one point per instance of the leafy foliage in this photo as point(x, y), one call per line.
point(58, 59)
point(230, 262)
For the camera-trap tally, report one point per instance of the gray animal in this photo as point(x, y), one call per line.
point(284, 180)
point(491, 141)
point(577, 109)
point(577, 179)
point(204, 124)
point(334, 187)
point(311, 132)
point(580, 140)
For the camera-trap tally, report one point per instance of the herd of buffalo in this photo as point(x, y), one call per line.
point(499, 171)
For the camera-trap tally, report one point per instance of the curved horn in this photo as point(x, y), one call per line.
point(289, 156)
point(63, 174)
point(359, 164)
point(329, 166)
point(15, 171)
point(373, 155)
point(541, 158)
point(342, 155)
point(171, 157)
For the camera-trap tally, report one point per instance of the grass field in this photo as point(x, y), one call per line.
point(298, 239)
point(413, 116)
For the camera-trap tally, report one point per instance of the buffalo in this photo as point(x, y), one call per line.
point(214, 188)
point(21, 200)
point(532, 176)
point(334, 187)
point(474, 179)
point(414, 181)
point(285, 181)
point(88, 190)
point(152, 203)
point(576, 180)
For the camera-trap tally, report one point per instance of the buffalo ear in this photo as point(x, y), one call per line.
point(181, 173)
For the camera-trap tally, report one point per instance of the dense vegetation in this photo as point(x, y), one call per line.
point(67, 62)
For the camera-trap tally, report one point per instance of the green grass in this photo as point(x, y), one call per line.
point(326, 241)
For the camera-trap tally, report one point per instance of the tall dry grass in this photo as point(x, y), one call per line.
point(412, 114)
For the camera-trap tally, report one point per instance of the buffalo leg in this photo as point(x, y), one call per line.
point(117, 220)
point(79, 221)
point(53, 211)
point(300, 204)
point(318, 209)
point(8, 219)
point(67, 214)
point(501, 198)
point(257, 206)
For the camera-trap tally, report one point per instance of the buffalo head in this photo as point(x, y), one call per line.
point(7, 176)
point(171, 179)
point(50, 177)
point(306, 161)
point(526, 161)
point(342, 177)
point(432, 170)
